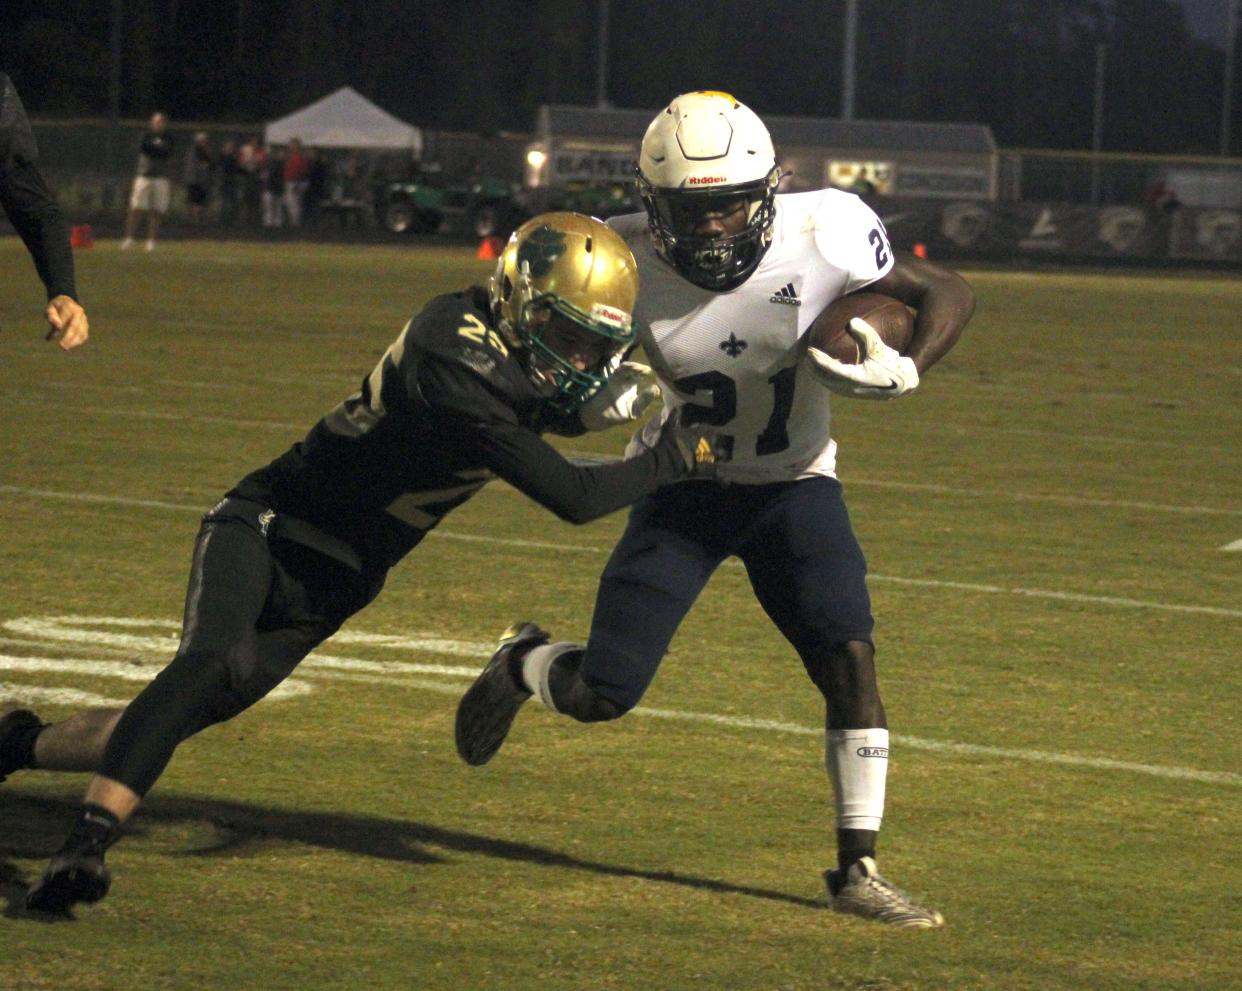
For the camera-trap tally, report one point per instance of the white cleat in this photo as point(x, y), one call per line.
point(863, 891)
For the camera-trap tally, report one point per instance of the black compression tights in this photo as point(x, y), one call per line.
point(189, 695)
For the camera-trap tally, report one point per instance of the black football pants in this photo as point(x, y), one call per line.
point(254, 609)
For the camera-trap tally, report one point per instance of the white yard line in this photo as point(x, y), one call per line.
point(33, 397)
point(84, 631)
point(1065, 500)
point(38, 694)
point(986, 589)
point(141, 413)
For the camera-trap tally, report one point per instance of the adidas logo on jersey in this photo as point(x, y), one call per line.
point(786, 295)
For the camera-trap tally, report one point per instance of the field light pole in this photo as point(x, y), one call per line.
point(601, 63)
point(1226, 111)
point(1097, 120)
point(847, 59)
point(114, 97)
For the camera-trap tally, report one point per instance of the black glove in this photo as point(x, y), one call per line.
point(697, 448)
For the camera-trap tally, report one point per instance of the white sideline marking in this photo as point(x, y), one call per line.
point(1034, 593)
point(56, 630)
point(1235, 546)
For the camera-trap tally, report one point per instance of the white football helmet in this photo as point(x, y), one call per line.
point(703, 151)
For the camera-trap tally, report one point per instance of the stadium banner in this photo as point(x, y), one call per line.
point(943, 182)
point(1207, 235)
point(1017, 231)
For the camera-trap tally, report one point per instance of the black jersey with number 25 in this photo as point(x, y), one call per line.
point(449, 406)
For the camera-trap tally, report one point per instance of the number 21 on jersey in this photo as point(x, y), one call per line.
point(723, 391)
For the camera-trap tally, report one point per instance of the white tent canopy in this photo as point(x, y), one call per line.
point(345, 119)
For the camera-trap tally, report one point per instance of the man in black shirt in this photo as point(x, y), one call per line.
point(35, 215)
point(298, 546)
point(152, 190)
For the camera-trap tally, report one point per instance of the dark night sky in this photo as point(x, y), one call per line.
point(1024, 67)
point(1206, 19)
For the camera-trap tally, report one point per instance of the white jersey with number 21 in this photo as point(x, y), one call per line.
point(734, 357)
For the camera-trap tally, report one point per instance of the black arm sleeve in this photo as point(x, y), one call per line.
point(488, 427)
point(563, 424)
point(575, 493)
point(26, 200)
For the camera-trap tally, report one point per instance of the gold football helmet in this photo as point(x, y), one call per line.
point(563, 293)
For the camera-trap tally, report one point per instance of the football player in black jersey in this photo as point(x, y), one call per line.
point(35, 215)
point(298, 546)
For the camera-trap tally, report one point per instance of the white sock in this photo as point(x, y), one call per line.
point(536, 665)
point(857, 761)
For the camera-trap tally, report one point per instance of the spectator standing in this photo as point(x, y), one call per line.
point(199, 166)
point(316, 184)
point(35, 215)
point(296, 176)
point(151, 193)
point(252, 160)
point(231, 178)
point(1160, 198)
point(273, 185)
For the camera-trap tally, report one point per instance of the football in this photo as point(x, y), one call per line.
point(890, 317)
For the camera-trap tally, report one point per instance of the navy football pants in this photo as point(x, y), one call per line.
point(796, 542)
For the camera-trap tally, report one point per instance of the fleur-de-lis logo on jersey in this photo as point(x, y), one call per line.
point(733, 346)
point(540, 249)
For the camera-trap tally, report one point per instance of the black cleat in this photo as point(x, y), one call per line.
point(73, 876)
point(16, 730)
point(488, 708)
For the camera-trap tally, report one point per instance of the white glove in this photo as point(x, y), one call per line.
point(882, 374)
point(623, 398)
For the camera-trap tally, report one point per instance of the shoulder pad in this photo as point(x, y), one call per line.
point(458, 328)
point(630, 225)
point(850, 236)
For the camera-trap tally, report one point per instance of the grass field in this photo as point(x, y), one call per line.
point(1058, 632)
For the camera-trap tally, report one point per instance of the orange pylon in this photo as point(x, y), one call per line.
point(920, 250)
point(489, 249)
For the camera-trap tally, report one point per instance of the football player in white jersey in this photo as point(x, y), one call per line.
point(732, 276)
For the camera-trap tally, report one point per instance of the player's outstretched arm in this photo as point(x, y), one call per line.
point(943, 299)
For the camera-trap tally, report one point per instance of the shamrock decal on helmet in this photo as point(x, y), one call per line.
point(540, 249)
